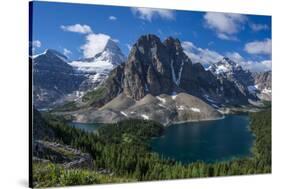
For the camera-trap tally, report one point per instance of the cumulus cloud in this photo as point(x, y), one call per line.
point(66, 52)
point(226, 37)
point(36, 44)
point(235, 56)
point(95, 43)
point(226, 25)
point(259, 47)
point(258, 27)
point(149, 13)
point(112, 18)
point(258, 66)
point(77, 28)
point(252, 65)
point(197, 54)
point(208, 57)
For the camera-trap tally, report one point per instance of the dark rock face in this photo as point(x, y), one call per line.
point(147, 69)
point(155, 67)
point(263, 80)
point(52, 78)
point(234, 79)
point(263, 85)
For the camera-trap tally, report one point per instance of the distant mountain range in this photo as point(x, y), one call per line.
point(157, 81)
point(56, 79)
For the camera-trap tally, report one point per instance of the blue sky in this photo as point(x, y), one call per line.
point(206, 37)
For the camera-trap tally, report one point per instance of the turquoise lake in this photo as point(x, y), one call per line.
point(207, 141)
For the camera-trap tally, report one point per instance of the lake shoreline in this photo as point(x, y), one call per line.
point(193, 143)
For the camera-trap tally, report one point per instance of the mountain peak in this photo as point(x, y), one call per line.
point(226, 65)
point(148, 40)
point(227, 60)
point(149, 37)
point(52, 54)
point(172, 41)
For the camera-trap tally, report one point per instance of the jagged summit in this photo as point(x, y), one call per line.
point(51, 53)
point(154, 67)
point(226, 65)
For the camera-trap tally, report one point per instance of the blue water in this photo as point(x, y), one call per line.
point(207, 141)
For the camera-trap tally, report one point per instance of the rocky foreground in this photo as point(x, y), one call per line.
point(165, 109)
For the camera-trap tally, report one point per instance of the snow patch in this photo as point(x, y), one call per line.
point(255, 103)
point(162, 105)
point(207, 97)
point(144, 116)
point(174, 95)
point(145, 87)
point(266, 91)
point(163, 100)
point(123, 113)
point(195, 109)
point(37, 55)
point(173, 72)
point(215, 106)
point(176, 80)
point(181, 107)
point(221, 69)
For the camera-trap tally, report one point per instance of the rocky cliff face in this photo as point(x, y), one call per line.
point(263, 84)
point(155, 67)
point(263, 80)
point(58, 80)
point(231, 75)
point(53, 78)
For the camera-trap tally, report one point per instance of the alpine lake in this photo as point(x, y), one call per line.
point(207, 141)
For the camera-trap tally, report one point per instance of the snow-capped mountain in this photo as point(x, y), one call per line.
point(263, 84)
point(53, 78)
point(233, 72)
point(56, 79)
point(98, 67)
point(225, 66)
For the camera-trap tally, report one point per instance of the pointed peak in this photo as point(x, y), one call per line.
point(148, 38)
point(172, 40)
point(51, 53)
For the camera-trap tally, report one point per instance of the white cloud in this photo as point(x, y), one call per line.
point(235, 56)
point(258, 27)
point(95, 43)
point(36, 44)
point(112, 18)
point(197, 54)
point(227, 37)
point(226, 25)
point(257, 66)
point(149, 14)
point(259, 47)
point(77, 28)
point(254, 66)
point(207, 57)
point(66, 52)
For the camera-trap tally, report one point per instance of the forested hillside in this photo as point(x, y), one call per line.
point(121, 152)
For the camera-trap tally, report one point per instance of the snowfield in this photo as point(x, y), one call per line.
point(195, 109)
point(144, 116)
